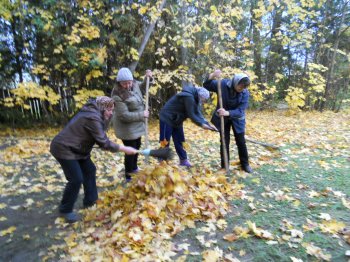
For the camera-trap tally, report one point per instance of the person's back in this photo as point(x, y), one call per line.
point(181, 106)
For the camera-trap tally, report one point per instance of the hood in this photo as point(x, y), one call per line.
point(237, 77)
point(95, 113)
point(91, 106)
point(189, 91)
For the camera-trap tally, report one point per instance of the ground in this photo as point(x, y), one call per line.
point(294, 206)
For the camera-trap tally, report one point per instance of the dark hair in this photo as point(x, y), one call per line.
point(245, 81)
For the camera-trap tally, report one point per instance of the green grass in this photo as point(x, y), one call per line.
point(296, 175)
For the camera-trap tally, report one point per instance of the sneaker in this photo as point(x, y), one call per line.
point(135, 171)
point(70, 217)
point(185, 162)
point(127, 178)
point(247, 168)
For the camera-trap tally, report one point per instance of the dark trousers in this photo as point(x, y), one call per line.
point(241, 146)
point(77, 172)
point(177, 133)
point(130, 161)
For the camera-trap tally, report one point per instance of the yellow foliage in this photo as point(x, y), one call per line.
point(5, 10)
point(143, 10)
point(93, 74)
point(295, 97)
point(25, 149)
point(7, 231)
point(83, 96)
point(133, 54)
point(162, 201)
point(31, 90)
point(83, 29)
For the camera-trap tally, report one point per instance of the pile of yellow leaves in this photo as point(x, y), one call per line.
point(135, 222)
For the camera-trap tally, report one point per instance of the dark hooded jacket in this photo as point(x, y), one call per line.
point(181, 106)
point(78, 137)
point(235, 103)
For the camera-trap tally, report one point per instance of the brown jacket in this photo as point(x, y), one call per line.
point(78, 137)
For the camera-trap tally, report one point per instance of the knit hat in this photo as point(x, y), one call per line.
point(124, 74)
point(203, 93)
point(104, 102)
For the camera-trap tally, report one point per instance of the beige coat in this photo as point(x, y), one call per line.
point(128, 118)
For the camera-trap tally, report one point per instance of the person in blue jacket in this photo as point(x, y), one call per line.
point(235, 98)
point(185, 104)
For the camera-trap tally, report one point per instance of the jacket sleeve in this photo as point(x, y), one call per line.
point(122, 111)
point(239, 112)
point(193, 112)
point(95, 128)
point(211, 85)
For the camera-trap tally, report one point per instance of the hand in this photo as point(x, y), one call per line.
point(209, 127)
point(146, 113)
point(128, 150)
point(149, 73)
point(223, 112)
point(216, 74)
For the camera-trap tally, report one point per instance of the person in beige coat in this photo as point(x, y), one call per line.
point(129, 115)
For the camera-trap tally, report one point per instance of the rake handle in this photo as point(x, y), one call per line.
point(146, 119)
point(222, 127)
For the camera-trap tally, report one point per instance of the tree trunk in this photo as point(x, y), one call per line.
point(184, 51)
point(329, 80)
point(18, 44)
point(255, 35)
point(274, 60)
point(145, 39)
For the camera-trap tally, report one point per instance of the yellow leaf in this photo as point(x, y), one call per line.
point(143, 10)
point(332, 226)
point(26, 237)
point(7, 231)
point(163, 40)
point(211, 255)
point(230, 237)
point(345, 203)
point(316, 251)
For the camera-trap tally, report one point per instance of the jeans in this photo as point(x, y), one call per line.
point(77, 172)
point(130, 161)
point(177, 133)
point(241, 146)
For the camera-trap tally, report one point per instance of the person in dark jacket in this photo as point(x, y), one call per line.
point(72, 148)
point(235, 98)
point(185, 104)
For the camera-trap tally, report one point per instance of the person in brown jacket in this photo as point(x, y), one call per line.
point(72, 148)
point(129, 115)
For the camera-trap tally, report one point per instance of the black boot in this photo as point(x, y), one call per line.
point(247, 168)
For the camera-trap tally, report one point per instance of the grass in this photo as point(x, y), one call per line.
point(310, 188)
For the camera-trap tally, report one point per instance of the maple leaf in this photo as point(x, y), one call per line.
point(230, 237)
point(259, 232)
point(332, 226)
point(7, 231)
point(212, 255)
point(316, 251)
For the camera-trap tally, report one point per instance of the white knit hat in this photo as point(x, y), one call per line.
point(124, 74)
